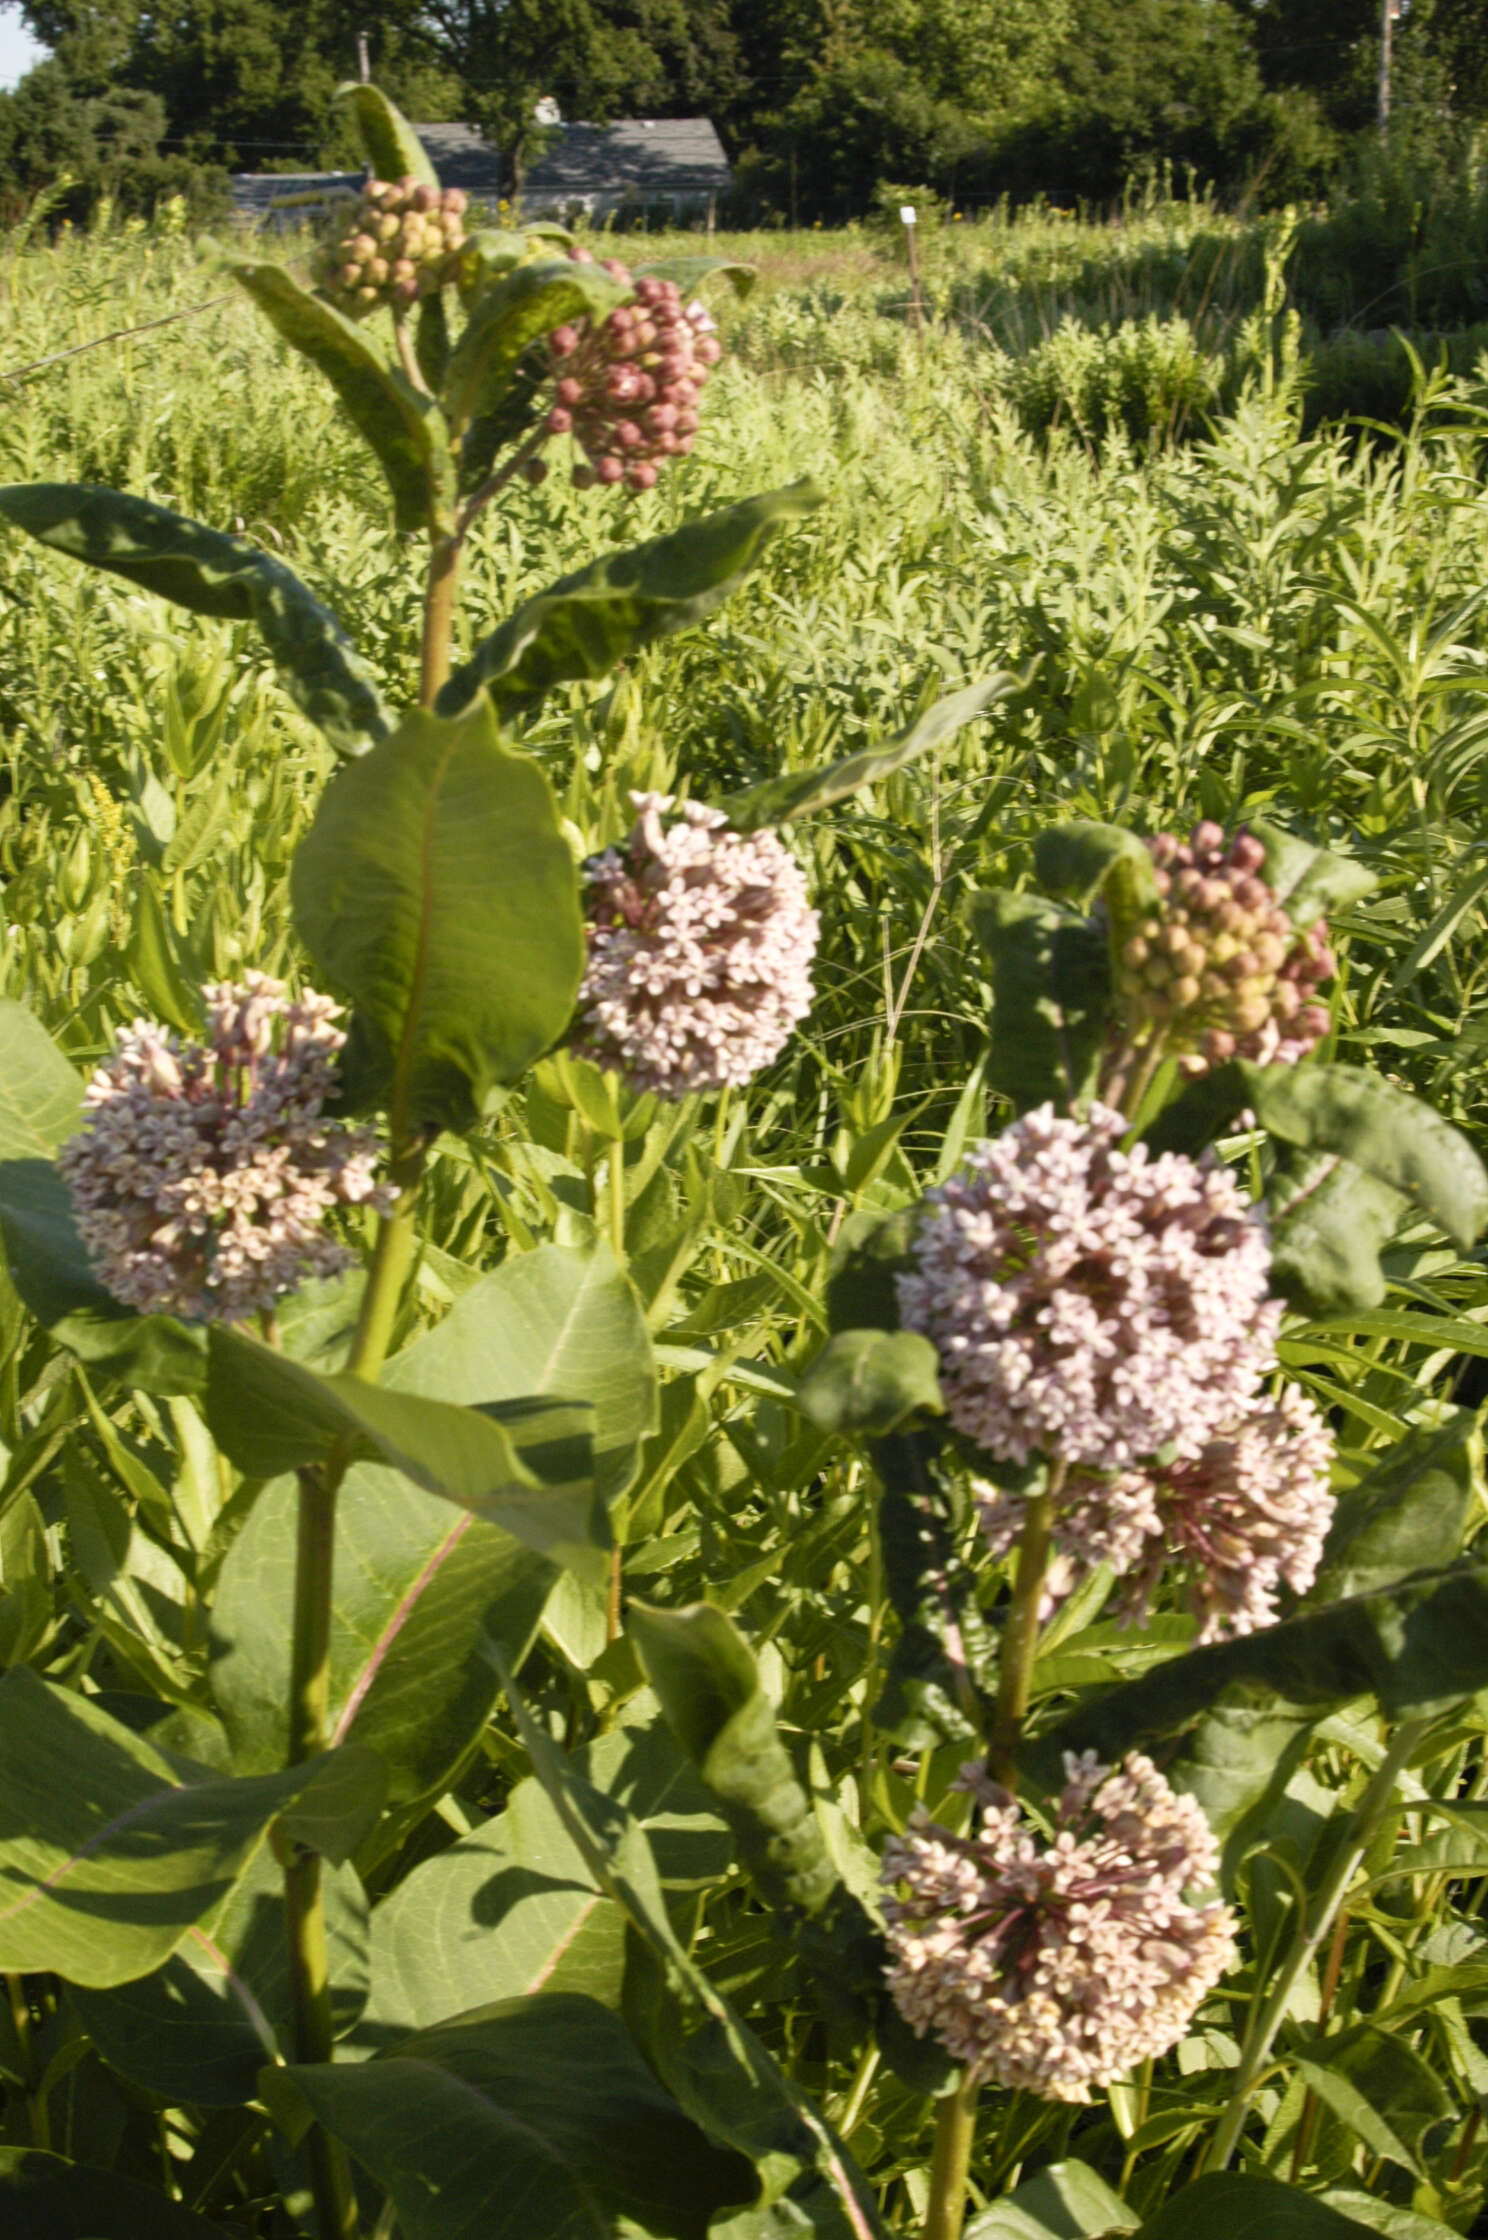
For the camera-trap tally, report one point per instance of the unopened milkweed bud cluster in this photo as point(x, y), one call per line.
point(1217, 966)
point(403, 242)
point(627, 385)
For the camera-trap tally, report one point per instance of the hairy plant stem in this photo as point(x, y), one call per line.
point(309, 1696)
point(439, 615)
point(1266, 2020)
point(955, 2129)
point(1020, 1633)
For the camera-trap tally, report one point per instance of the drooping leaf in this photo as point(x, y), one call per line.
point(692, 272)
point(607, 611)
point(211, 573)
point(1417, 1646)
point(533, 2119)
point(505, 1913)
point(1407, 1514)
point(110, 1853)
point(704, 2054)
point(436, 889)
point(1074, 861)
point(802, 793)
point(1066, 2201)
point(404, 429)
point(201, 2027)
point(508, 316)
point(870, 1380)
point(393, 148)
point(1389, 1135)
point(1330, 1222)
point(431, 342)
point(935, 1688)
point(705, 1676)
point(45, 2197)
point(524, 1465)
point(1050, 995)
point(1228, 2206)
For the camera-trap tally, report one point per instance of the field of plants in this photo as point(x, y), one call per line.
point(685, 1575)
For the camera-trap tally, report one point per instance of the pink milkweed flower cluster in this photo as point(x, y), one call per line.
point(701, 942)
point(1090, 1304)
point(1056, 1965)
point(628, 386)
point(1218, 965)
point(204, 1172)
point(1246, 1515)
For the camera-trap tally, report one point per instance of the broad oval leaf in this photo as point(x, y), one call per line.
point(51, 2198)
point(212, 573)
point(404, 429)
point(803, 792)
point(1226, 2205)
point(437, 890)
point(1408, 1513)
point(1065, 2200)
point(533, 2119)
point(1330, 1222)
point(870, 1380)
point(1074, 861)
point(111, 1852)
point(604, 613)
point(512, 313)
point(692, 272)
point(1309, 882)
point(394, 149)
point(531, 1473)
point(1051, 991)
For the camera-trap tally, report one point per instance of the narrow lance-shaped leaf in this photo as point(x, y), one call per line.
point(531, 1473)
point(394, 149)
point(803, 792)
point(436, 889)
point(212, 573)
point(405, 430)
point(606, 612)
point(702, 1670)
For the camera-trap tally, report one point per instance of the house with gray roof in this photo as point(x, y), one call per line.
point(641, 163)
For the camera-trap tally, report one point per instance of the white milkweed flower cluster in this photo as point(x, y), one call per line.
point(701, 942)
point(1087, 1303)
point(203, 1174)
point(1056, 1965)
point(1244, 1516)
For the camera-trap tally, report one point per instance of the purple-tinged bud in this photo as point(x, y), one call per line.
point(569, 391)
point(559, 421)
point(608, 469)
point(641, 474)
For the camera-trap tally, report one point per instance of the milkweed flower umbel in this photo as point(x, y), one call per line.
point(1087, 1303)
point(203, 1174)
point(701, 941)
point(1245, 1516)
point(627, 386)
point(1056, 1965)
point(402, 242)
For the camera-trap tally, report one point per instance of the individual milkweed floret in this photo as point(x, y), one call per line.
point(403, 242)
point(1056, 1964)
point(1245, 1516)
point(1087, 1303)
point(203, 1175)
point(1217, 967)
point(700, 948)
point(627, 386)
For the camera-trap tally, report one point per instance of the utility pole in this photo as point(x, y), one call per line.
point(1387, 29)
point(364, 67)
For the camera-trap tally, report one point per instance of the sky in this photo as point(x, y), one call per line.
point(18, 50)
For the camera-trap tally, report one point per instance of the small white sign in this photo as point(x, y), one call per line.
point(907, 213)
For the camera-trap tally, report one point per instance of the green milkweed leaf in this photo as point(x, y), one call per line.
point(606, 612)
point(437, 890)
point(1051, 987)
point(527, 1466)
point(531, 2119)
point(404, 429)
point(1406, 1514)
point(803, 792)
point(394, 149)
point(212, 573)
point(1309, 882)
point(1228, 2206)
point(705, 1676)
point(46, 2195)
point(692, 272)
point(507, 317)
point(111, 1852)
point(870, 1380)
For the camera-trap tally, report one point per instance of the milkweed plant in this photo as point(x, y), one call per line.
point(473, 1867)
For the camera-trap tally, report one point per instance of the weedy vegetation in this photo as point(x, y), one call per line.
point(573, 1531)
